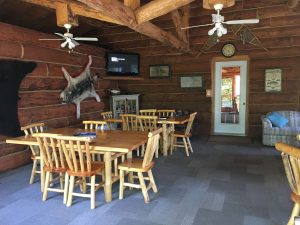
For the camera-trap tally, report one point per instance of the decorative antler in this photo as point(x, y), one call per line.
point(246, 35)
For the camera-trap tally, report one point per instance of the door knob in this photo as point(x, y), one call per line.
point(244, 103)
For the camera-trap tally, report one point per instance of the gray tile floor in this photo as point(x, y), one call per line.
point(220, 184)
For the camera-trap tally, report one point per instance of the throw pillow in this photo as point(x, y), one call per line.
point(277, 119)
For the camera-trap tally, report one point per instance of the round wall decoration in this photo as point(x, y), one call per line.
point(228, 50)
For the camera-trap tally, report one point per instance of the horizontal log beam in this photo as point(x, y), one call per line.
point(165, 37)
point(77, 8)
point(64, 15)
point(119, 11)
point(292, 3)
point(133, 4)
point(116, 12)
point(113, 9)
point(158, 8)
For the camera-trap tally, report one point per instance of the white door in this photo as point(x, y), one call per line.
point(230, 98)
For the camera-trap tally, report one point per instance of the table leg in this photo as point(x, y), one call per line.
point(42, 173)
point(108, 178)
point(172, 138)
point(165, 139)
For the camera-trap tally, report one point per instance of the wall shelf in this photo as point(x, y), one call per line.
point(123, 78)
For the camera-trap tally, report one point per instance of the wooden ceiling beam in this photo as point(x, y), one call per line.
point(76, 7)
point(127, 16)
point(133, 4)
point(114, 11)
point(158, 8)
point(292, 3)
point(159, 34)
point(64, 15)
point(180, 19)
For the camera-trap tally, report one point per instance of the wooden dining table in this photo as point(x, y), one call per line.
point(107, 143)
point(168, 125)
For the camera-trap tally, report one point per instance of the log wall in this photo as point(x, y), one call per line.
point(40, 90)
point(279, 32)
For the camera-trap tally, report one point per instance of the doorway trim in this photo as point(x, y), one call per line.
point(213, 65)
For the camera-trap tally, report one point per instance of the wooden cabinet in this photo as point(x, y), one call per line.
point(120, 104)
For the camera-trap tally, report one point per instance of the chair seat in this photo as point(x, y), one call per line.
point(181, 134)
point(295, 197)
point(135, 165)
point(55, 169)
point(96, 167)
point(33, 157)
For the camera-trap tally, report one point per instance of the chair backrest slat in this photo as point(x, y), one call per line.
point(31, 129)
point(152, 145)
point(129, 122)
point(51, 154)
point(291, 161)
point(77, 152)
point(166, 113)
point(108, 115)
point(190, 123)
point(148, 112)
point(93, 124)
point(147, 123)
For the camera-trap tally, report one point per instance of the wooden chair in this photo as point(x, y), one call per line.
point(170, 113)
point(129, 122)
point(147, 123)
point(185, 136)
point(54, 163)
point(148, 112)
point(80, 164)
point(108, 115)
point(291, 161)
point(35, 151)
point(94, 125)
point(141, 166)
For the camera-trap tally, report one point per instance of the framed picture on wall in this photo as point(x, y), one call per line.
point(159, 71)
point(273, 80)
point(195, 81)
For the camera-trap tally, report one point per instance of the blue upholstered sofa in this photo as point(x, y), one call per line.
point(287, 134)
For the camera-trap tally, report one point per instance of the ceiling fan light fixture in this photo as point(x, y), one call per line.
point(64, 44)
point(71, 45)
point(209, 4)
point(219, 33)
point(212, 31)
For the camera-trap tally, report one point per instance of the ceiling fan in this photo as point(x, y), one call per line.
point(69, 39)
point(218, 21)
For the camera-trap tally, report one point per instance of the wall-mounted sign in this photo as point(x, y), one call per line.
point(191, 81)
point(273, 80)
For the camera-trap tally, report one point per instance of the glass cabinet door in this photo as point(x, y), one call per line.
point(120, 107)
point(131, 106)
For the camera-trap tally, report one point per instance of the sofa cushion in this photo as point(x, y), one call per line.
point(286, 131)
point(277, 119)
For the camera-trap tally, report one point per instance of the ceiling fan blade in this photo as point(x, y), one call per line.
point(75, 42)
point(249, 21)
point(85, 39)
point(59, 34)
point(51, 39)
point(201, 25)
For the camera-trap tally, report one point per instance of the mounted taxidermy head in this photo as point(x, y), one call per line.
point(79, 88)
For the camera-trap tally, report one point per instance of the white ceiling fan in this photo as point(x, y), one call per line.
point(69, 39)
point(218, 21)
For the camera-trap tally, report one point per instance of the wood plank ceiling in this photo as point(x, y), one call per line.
point(43, 19)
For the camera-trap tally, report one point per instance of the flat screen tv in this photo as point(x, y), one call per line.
point(126, 64)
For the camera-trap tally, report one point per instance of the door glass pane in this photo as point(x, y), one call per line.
point(230, 95)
